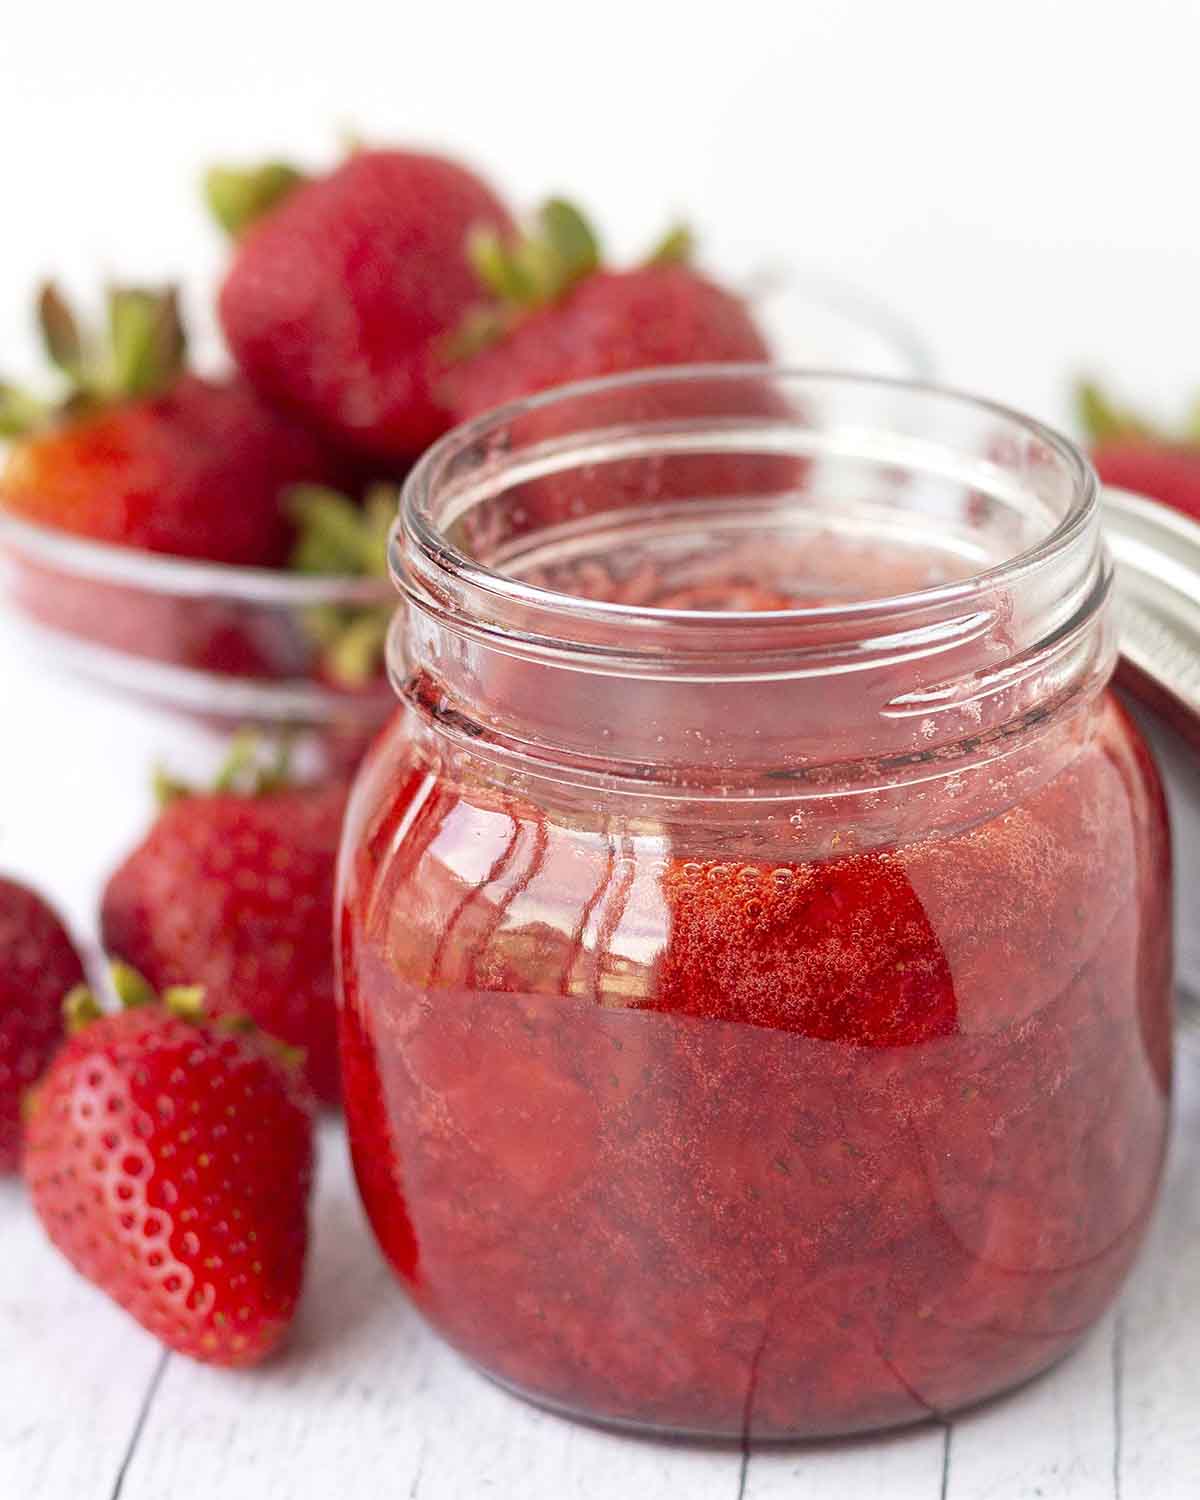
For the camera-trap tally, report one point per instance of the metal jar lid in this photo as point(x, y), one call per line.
point(1157, 555)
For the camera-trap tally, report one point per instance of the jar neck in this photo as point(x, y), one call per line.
point(526, 635)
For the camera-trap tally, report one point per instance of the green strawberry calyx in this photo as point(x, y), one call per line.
point(80, 1006)
point(537, 268)
point(186, 1002)
point(334, 534)
point(1104, 421)
point(238, 197)
point(141, 352)
point(251, 768)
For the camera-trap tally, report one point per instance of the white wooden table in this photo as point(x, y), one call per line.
point(367, 1405)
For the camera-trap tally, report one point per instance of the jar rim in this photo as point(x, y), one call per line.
point(437, 555)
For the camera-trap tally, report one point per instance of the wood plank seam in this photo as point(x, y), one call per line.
point(138, 1426)
point(1118, 1374)
point(947, 1440)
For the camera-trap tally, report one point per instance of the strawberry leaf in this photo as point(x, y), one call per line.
point(61, 336)
point(571, 240)
point(676, 247)
point(238, 196)
point(20, 413)
point(148, 344)
point(1103, 421)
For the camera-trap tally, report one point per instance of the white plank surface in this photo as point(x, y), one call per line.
point(1159, 1364)
point(74, 1371)
point(893, 1466)
point(367, 1405)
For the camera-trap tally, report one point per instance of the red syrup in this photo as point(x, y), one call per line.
point(665, 1127)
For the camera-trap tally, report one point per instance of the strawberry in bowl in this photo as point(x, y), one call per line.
point(147, 529)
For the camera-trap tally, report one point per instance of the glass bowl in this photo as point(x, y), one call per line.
point(114, 660)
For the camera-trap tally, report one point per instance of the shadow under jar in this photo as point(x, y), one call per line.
point(754, 928)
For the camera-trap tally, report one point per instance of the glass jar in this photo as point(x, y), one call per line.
point(754, 926)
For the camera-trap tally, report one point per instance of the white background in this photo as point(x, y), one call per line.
point(1018, 178)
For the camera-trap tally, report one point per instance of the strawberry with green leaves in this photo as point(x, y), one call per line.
point(1134, 454)
point(553, 312)
point(232, 888)
point(169, 1157)
point(342, 287)
point(38, 964)
point(142, 453)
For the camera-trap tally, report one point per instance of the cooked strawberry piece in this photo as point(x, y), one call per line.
point(843, 950)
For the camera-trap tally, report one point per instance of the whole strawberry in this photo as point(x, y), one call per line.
point(1135, 455)
point(143, 454)
point(341, 291)
point(170, 1159)
point(38, 964)
point(556, 314)
point(233, 889)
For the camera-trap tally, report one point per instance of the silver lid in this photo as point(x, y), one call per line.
point(1157, 553)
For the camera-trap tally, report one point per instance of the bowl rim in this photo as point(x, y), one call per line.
point(181, 577)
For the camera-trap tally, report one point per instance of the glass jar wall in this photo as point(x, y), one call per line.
point(754, 927)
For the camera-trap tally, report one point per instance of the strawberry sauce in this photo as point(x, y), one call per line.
point(755, 935)
point(666, 1127)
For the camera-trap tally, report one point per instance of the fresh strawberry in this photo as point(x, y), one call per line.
point(170, 1159)
point(37, 966)
point(557, 314)
point(143, 454)
point(340, 293)
point(233, 889)
point(1135, 455)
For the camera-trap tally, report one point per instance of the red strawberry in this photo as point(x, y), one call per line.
point(38, 965)
point(558, 316)
point(145, 455)
point(233, 889)
point(339, 294)
point(1134, 455)
point(170, 1160)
